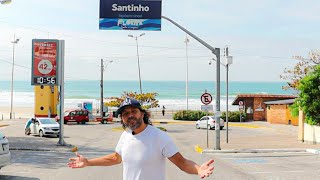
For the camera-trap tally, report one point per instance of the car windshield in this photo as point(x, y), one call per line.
point(212, 117)
point(48, 121)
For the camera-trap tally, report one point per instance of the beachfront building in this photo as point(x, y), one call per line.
point(278, 112)
point(254, 104)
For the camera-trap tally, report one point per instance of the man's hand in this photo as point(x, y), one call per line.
point(205, 170)
point(78, 162)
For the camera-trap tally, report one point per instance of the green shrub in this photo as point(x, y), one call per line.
point(233, 116)
point(189, 115)
point(309, 96)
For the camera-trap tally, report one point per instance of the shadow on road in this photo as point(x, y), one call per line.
point(4, 177)
point(44, 152)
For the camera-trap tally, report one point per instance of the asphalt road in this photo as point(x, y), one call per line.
point(95, 140)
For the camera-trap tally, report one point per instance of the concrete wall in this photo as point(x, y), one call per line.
point(311, 134)
point(276, 114)
point(280, 114)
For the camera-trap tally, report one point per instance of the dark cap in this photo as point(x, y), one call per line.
point(128, 102)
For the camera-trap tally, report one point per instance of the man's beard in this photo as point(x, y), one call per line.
point(133, 123)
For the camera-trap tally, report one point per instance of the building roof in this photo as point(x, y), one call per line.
point(285, 101)
point(245, 96)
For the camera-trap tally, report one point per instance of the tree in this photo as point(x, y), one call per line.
point(309, 96)
point(301, 69)
point(148, 100)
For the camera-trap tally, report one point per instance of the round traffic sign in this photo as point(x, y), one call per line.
point(206, 98)
point(45, 66)
point(240, 103)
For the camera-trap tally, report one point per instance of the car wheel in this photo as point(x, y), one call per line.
point(58, 135)
point(65, 122)
point(104, 121)
point(83, 122)
point(221, 127)
point(197, 126)
point(41, 133)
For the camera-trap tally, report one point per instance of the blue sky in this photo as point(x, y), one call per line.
point(262, 37)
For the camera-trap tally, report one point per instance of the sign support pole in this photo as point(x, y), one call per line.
point(61, 141)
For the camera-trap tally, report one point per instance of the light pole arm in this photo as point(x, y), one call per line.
point(192, 35)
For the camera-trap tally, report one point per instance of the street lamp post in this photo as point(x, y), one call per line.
point(136, 38)
point(103, 68)
point(14, 42)
point(216, 52)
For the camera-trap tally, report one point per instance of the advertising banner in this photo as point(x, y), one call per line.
point(44, 62)
point(88, 106)
point(130, 15)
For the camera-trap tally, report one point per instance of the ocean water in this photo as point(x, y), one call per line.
point(171, 94)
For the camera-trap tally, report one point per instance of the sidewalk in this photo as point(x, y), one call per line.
point(273, 138)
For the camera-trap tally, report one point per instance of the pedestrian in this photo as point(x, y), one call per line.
point(143, 149)
point(27, 129)
point(163, 110)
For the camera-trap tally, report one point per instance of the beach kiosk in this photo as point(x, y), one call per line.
point(253, 104)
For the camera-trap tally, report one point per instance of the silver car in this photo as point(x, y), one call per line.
point(5, 155)
point(208, 122)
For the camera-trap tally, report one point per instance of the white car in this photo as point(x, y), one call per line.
point(208, 122)
point(43, 127)
point(5, 155)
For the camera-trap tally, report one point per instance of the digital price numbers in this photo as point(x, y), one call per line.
point(44, 80)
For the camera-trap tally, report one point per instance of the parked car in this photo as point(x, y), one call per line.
point(43, 127)
point(78, 116)
point(107, 118)
point(5, 155)
point(208, 122)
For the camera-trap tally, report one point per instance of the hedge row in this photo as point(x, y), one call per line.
point(190, 115)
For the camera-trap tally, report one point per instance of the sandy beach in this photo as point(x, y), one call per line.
point(18, 112)
point(27, 112)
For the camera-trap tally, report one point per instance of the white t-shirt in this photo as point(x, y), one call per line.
point(144, 155)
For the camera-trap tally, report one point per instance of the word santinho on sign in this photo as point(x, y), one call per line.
point(129, 8)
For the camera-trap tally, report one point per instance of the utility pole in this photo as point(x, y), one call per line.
point(227, 74)
point(217, 113)
point(101, 91)
point(187, 71)
point(229, 61)
point(103, 68)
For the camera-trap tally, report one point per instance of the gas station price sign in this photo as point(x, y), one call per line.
point(45, 57)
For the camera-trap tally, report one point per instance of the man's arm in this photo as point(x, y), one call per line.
point(108, 160)
point(188, 166)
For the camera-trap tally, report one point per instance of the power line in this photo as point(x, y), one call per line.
point(96, 40)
